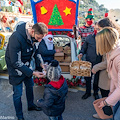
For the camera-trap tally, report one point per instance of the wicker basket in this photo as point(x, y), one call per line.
point(80, 68)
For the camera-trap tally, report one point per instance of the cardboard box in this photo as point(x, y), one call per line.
point(67, 58)
point(60, 48)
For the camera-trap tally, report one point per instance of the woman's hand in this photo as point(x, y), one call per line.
point(93, 71)
point(101, 105)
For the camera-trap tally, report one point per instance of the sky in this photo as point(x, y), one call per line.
point(110, 4)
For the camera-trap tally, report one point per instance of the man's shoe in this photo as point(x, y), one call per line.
point(85, 96)
point(21, 119)
point(34, 108)
point(96, 116)
point(96, 96)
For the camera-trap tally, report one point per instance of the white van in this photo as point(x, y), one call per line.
point(61, 41)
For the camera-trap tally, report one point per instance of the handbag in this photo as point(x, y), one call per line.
point(107, 110)
point(100, 112)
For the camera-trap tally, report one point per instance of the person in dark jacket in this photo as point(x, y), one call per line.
point(53, 102)
point(89, 48)
point(47, 50)
point(18, 55)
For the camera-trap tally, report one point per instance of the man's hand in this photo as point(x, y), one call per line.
point(93, 71)
point(38, 74)
point(80, 56)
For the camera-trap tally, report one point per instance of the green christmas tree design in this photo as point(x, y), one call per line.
point(55, 17)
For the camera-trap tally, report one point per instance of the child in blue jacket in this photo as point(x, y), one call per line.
point(53, 102)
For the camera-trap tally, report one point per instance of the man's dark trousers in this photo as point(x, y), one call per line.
point(95, 84)
point(17, 89)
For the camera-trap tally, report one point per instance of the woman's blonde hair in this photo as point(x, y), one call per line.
point(106, 40)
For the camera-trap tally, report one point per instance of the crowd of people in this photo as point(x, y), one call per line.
point(102, 50)
point(100, 46)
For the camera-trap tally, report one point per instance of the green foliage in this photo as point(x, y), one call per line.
point(13, 1)
point(98, 10)
point(7, 9)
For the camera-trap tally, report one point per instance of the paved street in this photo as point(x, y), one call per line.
point(76, 108)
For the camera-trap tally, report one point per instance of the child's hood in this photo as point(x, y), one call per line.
point(59, 88)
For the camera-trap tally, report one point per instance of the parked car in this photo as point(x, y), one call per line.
point(68, 48)
point(4, 37)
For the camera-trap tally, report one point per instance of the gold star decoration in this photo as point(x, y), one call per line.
point(67, 11)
